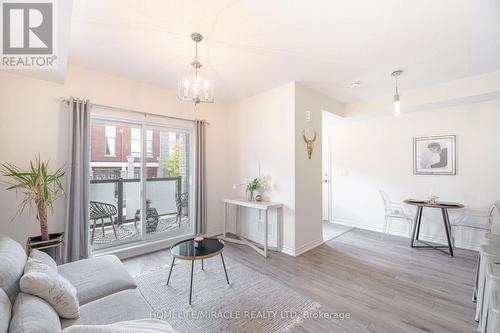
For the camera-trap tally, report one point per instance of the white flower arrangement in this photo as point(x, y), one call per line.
point(254, 185)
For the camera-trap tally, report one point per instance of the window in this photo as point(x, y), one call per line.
point(135, 142)
point(172, 141)
point(110, 141)
point(149, 143)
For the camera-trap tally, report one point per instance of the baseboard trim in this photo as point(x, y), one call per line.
point(303, 249)
point(288, 250)
point(433, 239)
point(309, 246)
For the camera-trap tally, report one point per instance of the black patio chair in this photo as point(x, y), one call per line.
point(100, 211)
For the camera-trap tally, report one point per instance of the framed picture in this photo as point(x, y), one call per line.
point(434, 155)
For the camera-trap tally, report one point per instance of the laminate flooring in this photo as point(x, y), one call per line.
point(384, 285)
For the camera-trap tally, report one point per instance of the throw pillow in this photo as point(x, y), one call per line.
point(42, 281)
point(31, 314)
point(43, 257)
point(5, 311)
point(12, 261)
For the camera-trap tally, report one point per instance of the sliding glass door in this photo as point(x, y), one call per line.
point(140, 182)
point(168, 183)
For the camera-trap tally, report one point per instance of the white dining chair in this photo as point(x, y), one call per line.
point(494, 314)
point(490, 254)
point(491, 286)
point(488, 239)
point(394, 210)
point(476, 219)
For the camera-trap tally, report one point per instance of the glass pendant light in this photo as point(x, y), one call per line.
point(397, 103)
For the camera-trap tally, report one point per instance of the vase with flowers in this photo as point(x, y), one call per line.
point(433, 198)
point(253, 187)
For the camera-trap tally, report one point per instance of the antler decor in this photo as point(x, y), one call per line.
point(309, 143)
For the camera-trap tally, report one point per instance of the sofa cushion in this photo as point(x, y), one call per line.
point(43, 257)
point(31, 314)
point(12, 261)
point(5, 311)
point(97, 277)
point(42, 281)
point(124, 305)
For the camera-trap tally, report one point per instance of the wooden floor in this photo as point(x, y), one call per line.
point(384, 284)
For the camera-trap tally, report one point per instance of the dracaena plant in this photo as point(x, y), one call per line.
point(39, 186)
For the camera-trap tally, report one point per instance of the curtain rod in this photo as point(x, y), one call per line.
point(64, 99)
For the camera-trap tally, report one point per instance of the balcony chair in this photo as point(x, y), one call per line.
point(394, 211)
point(100, 211)
point(181, 202)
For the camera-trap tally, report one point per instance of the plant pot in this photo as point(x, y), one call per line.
point(152, 219)
point(251, 195)
point(53, 247)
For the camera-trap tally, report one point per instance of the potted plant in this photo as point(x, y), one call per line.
point(152, 217)
point(253, 186)
point(40, 188)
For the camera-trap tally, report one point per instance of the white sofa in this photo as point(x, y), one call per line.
point(106, 292)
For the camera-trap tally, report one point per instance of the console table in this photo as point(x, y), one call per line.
point(262, 206)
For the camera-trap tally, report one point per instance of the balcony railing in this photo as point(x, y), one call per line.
point(125, 195)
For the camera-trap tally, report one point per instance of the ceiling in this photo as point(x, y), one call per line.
point(253, 45)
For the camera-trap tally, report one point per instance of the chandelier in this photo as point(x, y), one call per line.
point(193, 87)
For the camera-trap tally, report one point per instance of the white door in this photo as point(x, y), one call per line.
point(326, 179)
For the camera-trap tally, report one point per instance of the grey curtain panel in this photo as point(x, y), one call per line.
point(77, 187)
point(200, 188)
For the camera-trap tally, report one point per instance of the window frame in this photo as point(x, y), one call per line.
point(149, 143)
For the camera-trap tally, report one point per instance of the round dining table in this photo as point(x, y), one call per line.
point(443, 206)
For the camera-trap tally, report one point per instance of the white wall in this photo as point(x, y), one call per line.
point(375, 153)
point(267, 130)
point(262, 132)
point(31, 122)
point(308, 172)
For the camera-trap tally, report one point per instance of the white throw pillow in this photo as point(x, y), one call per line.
point(42, 281)
point(5, 311)
point(31, 314)
point(43, 257)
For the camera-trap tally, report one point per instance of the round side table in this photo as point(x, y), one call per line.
point(185, 250)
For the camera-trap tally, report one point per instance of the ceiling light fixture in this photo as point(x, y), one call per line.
point(397, 106)
point(194, 88)
point(355, 85)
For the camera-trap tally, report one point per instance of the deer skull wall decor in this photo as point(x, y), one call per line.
point(309, 143)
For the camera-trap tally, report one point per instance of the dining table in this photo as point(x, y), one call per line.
point(443, 206)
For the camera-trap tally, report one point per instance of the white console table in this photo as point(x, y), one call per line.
point(263, 206)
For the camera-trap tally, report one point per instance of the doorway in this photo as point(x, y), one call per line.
point(331, 229)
